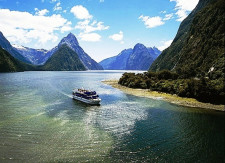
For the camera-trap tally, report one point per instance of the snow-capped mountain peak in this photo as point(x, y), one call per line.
point(70, 40)
point(35, 56)
point(18, 46)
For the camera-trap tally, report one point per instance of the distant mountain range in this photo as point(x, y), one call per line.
point(39, 57)
point(198, 48)
point(71, 41)
point(35, 56)
point(138, 58)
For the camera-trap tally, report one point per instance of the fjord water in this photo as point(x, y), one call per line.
point(40, 122)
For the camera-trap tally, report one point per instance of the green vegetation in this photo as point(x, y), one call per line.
point(202, 89)
point(64, 59)
point(199, 44)
point(194, 65)
point(10, 64)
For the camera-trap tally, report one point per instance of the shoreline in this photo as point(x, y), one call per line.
point(174, 99)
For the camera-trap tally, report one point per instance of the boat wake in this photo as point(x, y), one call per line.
point(70, 96)
point(65, 94)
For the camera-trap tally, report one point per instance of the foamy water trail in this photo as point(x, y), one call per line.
point(70, 96)
point(57, 102)
point(65, 94)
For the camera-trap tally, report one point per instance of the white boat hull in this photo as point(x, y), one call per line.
point(91, 101)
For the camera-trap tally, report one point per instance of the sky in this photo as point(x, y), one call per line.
point(103, 27)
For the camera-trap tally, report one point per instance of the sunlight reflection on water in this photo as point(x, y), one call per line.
point(40, 122)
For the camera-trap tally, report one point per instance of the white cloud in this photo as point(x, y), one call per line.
point(41, 12)
point(165, 44)
point(80, 12)
point(168, 17)
point(183, 7)
point(23, 27)
point(182, 14)
point(86, 27)
point(101, 1)
point(92, 37)
point(151, 22)
point(117, 37)
point(186, 5)
point(66, 27)
point(57, 7)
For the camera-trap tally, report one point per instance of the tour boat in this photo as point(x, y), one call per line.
point(86, 96)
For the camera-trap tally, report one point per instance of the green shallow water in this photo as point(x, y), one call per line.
point(40, 122)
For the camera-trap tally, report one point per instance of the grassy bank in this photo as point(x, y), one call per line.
point(190, 102)
point(201, 88)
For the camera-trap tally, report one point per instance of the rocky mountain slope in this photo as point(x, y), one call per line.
point(35, 56)
point(5, 44)
point(40, 56)
point(71, 41)
point(138, 58)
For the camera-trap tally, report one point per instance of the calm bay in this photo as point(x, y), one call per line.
point(40, 122)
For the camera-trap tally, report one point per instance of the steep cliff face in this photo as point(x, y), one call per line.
point(198, 47)
point(9, 63)
point(5, 44)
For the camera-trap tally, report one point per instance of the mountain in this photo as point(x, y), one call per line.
point(9, 63)
point(155, 52)
point(107, 63)
point(118, 62)
point(64, 59)
point(138, 58)
point(40, 56)
point(198, 48)
point(5, 44)
point(71, 41)
point(35, 56)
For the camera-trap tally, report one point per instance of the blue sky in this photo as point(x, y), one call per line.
point(103, 27)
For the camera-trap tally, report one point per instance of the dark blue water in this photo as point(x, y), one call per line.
point(40, 122)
